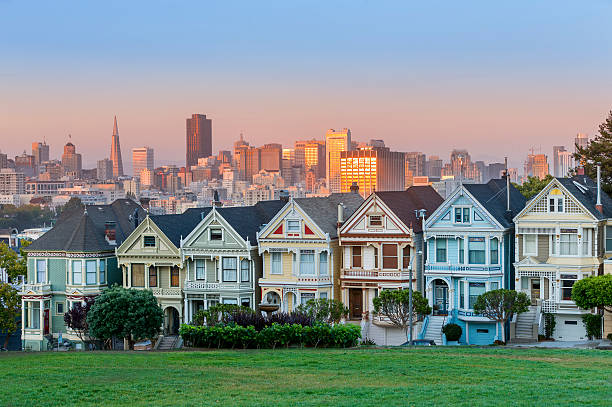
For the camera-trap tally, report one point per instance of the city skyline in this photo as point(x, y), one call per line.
point(485, 78)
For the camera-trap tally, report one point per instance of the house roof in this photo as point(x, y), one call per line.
point(82, 229)
point(584, 189)
point(404, 203)
point(248, 220)
point(177, 226)
point(492, 196)
point(324, 210)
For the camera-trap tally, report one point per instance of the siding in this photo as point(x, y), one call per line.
point(57, 274)
point(543, 246)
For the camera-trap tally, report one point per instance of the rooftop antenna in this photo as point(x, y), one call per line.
point(507, 175)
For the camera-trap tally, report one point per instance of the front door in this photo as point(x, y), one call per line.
point(46, 322)
point(355, 302)
point(441, 298)
point(535, 290)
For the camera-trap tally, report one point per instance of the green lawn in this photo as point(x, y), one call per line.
point(382, 377)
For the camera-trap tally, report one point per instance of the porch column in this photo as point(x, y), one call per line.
point(185, 315)
point(129, 275)
point(23, 319)
point(364, 299)
point(146, 275)
point(317, 257)
point(41, 317)
point(218, 269)
point(541, 288)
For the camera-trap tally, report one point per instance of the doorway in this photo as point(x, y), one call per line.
point(355, 303)
point(535, 290)
point(440, 297)
point(172, 321)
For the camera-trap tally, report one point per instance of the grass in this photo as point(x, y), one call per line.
point(352, 377)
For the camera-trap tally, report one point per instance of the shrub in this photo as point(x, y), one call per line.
point(452, 332)
point(610, 336)
point(549, 324)
point(324, 310)
point(592, 323)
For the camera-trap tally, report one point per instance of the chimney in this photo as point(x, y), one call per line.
point(340, 214)
point(580, 170)
point(283, 195)
point(354, 188)
point(110, 231)
point(507, 186)
point(598, 205)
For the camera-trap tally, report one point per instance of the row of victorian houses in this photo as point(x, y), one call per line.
point(283, 253)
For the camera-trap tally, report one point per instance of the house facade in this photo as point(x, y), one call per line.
point(470, 241)
point(150, 259)
point(221, 258)
point(74, 260)
point(379, 242)
point(300, 251)
point(563, 235)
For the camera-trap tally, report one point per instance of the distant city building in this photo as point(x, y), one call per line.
point(25, 163)
point(373, 169)
point(199, 138)
point(536, 166)
point(71, 161)
point(493, 171)
point(461, 166)
point(270, 157)
point(335, 143)
point(44, 188)
point(104, 169)
point(3, 161)
point(147, 178)
point(115, 155)
point(434, 166)
point(566, 163)
point(581, 140)
point(557, 150)
point(142, 157)
point(11, 182)
point(416, 162)
point(40, 151)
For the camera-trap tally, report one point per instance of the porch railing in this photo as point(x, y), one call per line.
point(38, 288)
point(167, 291)
point(379, 274)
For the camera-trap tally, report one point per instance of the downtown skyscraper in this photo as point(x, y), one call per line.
point(142, 158)
point(115, 155)
point(199, 139)
point(335, 143)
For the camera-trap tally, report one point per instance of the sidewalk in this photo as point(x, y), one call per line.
point(564, 344)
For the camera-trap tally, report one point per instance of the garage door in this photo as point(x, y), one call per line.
point(570, 328)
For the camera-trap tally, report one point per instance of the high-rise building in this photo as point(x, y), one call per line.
point(335, 143)
point(115, 155)
point(536, 166)
point(104, 170)
point(25, 163)
point(556, 160)
point(494, 171)
point(3, 161)
point(71, 161)
point(270, 157)
point(11, 182)
point(142, 157)
point(434, 166)
point(461, 167)
point(581, 140)
point(199, 138)
point(415, 162)
point(40, 151)
point(373, 169)
point(566, 163)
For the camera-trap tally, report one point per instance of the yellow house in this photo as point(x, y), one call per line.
point(300, 252)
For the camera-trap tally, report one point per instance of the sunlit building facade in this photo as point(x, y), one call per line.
point(335, 143)
point(373, 169)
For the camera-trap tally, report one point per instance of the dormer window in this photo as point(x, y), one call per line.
point(293, 226)
point(462, 214)
point(149, 241)
point(555, 201)
point(216, 234)
point(375, 221)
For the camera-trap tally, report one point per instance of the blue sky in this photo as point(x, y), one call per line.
point(494, 78)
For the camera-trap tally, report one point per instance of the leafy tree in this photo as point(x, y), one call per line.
point(14, 264)
point(394, 304)
point(324, 310)
point(500, 305)
point(593, 292)
point(25, 216)
point(125, 313)
point(599, 151)
point(9, 311)
point(76, 318)
point(533, 186)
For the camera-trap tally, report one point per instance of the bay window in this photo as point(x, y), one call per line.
point(305, 297)
point(77, 272)
point(175, 277)
point(587, 238)
point(307, 262)
point(41, 271)
point(609, 238)
point(406, 257)
point(530, 245)
point(389, 252)
point(90, 272)
point(567, 282)
point(102, 271)
point(441, 250)
point(475, 290)
point(568, 243)
point(244, 270)
point(152, 276)
point(494, 243)
point(200, 266)
point(476, 250)
point(461, 251)
point(276, 263)
point(138, 277)
point(356, 256)
point(462, 294)
point(229, 268)
point(323, 267)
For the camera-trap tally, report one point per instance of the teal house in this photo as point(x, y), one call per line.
point(74, 260)
point(470, 250)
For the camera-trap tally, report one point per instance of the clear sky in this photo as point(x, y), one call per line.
point(494, 78)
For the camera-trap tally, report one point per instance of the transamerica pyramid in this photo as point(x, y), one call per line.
point(115, 155)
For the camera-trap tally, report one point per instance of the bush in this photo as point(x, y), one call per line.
point(236, 336)
point(452, 332)
point(324, 310)
point(549, 324)
point(610, 336)
point(592, 323)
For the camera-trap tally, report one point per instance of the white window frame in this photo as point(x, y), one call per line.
point(46, 270)
point(230, 300)
point(299, 226)
point(608, 237)
point(324, 266)
point(203, 263)
point(525, 252)
point(558, 199)
point(72, 263)
point(491, 250)
point(462, 207)
point(586, 242)
point(210, 231)
point(102, 271)
point(323, 295)
point(307, 252)
point(371, 225)
point(242, 270)
point(280, 263)
point(95, 272)
point(308, 296)
point(561, 288)
point(236, 270)
point(145, 246)
point(247, 299)
point(63, 306)
point(561, 254)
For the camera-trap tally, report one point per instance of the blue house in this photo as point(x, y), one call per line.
point(470, 250)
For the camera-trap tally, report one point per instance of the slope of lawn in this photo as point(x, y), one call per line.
point(351, 377)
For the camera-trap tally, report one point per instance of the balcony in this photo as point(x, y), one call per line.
point(376, 274)
point(462, 269)
point(314, 279)
point(167, 292)
point(203, 285)
point(36, 289)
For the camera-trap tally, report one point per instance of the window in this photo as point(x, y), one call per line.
point(494, 250)
point(587, 238)
point(138, 276)
point(530, 245)
point(305, 297)
point(232, 301)
point(356, 254)
point(59, 308)
point(293, 226)
point(375, 221)
point(461, 251)
point(494, 286)
point(216, 234)
point(244, 270)
point(102, 271)
point(376, 257)
point(609, 238)
point(555, 204)
point(567, 282)
point(441, 250)
point(77, 272)
point(571, 322)
point(475, 290)
point(323, 296)
point(307, 262)
point(461, 294)
point(476, 250)
point(245, 302)
point(41, 271)
point(149, 241)
point(229, 265)
point(482, 331)
point(152, 276)
point(553, 245)
point(90, 272)
point(277, 267)
point(33, 316)
point(200, 269)
point(323, 267)
point(462, 215)
point(568, 242)
point(406, 257)
point(389, 252)
point(174, 277)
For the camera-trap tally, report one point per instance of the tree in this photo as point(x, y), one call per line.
point(501, 305)
point(394, 304)
point(533, 186)
point(593, 292)
point(14, 264)
point(599, 151)
point(10, 309)
point(324, 310)
point(125, 313)
point(76, 318)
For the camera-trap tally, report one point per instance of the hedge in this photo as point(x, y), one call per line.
point(236, 336)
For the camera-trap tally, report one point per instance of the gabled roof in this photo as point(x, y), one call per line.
point(82, 229)
point(324, 210)
point(248, 220)
point(177, 226)
point(492, 196)
point(586, 193)
point(404, 203)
